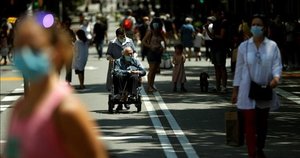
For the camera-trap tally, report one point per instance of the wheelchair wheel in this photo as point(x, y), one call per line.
point(138, 105)
point(110, 105)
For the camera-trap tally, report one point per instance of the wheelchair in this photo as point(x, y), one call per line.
point(123, 94)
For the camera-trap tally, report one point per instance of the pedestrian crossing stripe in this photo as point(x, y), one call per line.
point(10, 98)
point(125, 137)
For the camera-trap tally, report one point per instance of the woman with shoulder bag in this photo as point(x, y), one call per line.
point(258, 62)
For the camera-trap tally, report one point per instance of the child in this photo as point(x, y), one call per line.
point(81, 56)
point(198, 41)
point(178, 70)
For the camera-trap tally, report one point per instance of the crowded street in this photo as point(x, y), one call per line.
point(171, 123)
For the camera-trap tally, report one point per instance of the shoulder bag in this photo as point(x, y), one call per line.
point(258, 92)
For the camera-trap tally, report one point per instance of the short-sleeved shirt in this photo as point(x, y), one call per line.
point(187, 31)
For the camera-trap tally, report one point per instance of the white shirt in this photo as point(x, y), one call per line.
point(210, 28)
point(81, 55)
point(198, 40)
point(262, 71)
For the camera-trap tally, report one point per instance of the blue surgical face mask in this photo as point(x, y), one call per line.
point(32, 65)
point(155, 26)
point(127, 58)
point(257, 31)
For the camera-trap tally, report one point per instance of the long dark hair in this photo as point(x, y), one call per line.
point(81, 35)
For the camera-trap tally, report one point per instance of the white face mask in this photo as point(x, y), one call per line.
point(122, 40)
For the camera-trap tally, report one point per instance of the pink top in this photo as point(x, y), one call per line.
point(37, 136)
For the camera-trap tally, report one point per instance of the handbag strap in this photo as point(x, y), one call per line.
point(247, 60)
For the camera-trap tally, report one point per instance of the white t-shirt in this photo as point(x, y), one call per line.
point(198, 41)
point(210, 28)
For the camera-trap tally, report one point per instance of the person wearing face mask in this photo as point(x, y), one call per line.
point(155, 42)
point(258, 60)
point(127, 69)
point(114, 51)
point(48, 121)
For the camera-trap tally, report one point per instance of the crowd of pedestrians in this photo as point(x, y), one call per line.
point(220, 37)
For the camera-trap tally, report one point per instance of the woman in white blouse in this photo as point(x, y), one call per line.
point(258, 60)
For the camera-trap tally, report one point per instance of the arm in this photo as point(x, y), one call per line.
point(174, 60)
point(76, 128)
point(214, 35)
point(145, 41)
point(109, 52)
point(76, 54)
point(276, 68)
point(106, 37)
point(235, 93)
point(119, 70)
point(207, 31)
point(141, 71)
point(238, 74)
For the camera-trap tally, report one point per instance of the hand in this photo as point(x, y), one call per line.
point(274, 82)
point(234, 98)
point(234, 95)
point(110, 58)
point(135, 72)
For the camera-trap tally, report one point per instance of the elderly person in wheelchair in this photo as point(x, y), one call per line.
point(127, 75)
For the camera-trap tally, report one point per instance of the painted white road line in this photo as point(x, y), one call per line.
point(125, 137)
point(10, 98)
point(18, 90)
point(288, 95)
point(162, 135)
point(289, 86)
point(186, 145)
point(91, 68)
point(4, 107)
